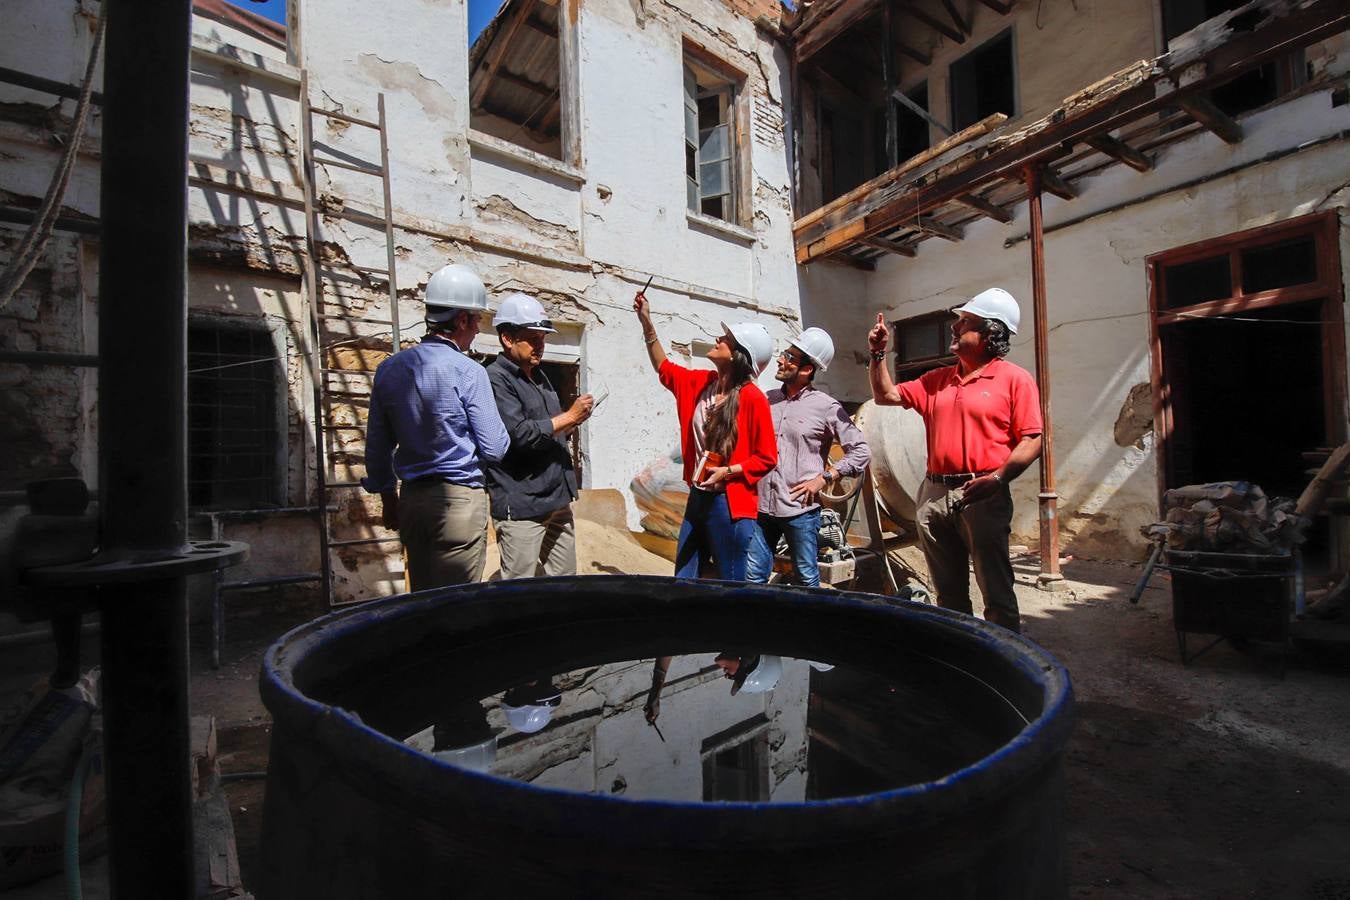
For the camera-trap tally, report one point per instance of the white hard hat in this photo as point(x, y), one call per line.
point(523, 311)
point(529, 718)
point(763, 678)
point(754, 339)
point(994, 303)
point(452, 289)
point(817, 345)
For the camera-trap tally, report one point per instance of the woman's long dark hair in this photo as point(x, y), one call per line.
point(719, 429)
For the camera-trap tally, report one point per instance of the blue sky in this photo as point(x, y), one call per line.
point(273, 9)
point(480, 12)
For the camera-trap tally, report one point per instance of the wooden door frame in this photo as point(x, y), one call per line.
point(1324, 228)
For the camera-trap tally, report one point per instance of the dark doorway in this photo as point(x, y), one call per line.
point(1247, 396)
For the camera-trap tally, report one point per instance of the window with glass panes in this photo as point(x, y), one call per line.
point(709, 142)
point(923, 343)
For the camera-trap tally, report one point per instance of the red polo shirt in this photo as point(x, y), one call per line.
point(756, 447)
point(973, 425)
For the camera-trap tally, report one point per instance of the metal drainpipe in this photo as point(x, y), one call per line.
point(1050, 576)
point(143, 443)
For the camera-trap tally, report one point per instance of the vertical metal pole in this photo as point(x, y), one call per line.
point(142, 408)
point(1048, 511)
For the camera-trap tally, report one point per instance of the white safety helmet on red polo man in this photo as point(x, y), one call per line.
point(817, 346)
point(454, 288)
point(754, 339)
point(523, 311)
point(995, 303)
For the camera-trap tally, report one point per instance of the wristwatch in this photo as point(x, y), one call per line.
point(878, 355)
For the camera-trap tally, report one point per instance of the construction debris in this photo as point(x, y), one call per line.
point(1228, 517)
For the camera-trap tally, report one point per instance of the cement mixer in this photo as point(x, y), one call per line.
point(899, 456)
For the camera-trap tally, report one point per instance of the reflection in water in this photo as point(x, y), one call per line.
point(732, 726)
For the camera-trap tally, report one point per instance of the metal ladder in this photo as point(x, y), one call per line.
point(326, 319)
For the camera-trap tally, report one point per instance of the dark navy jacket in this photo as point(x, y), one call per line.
point(536, 475)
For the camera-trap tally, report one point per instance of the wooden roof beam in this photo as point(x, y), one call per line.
point(1203, 110)
point(929, 225)
point(1120, 151)
point(984, 207)
point(998, 6)
point(497, 52)
point(890, 246)
point(512, 78)
point(933, 22)
point(914, 53)
point(957, 18)
point(1052, 182)
point(831, 24)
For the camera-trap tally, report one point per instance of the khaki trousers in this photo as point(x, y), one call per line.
point(444, 528)
point(953, 535)
point(529, 545)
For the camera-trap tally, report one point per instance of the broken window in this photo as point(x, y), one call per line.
point(1255, 87)
point(983, 82)
point(923, 343)
point(710, 133)
point(515, 83)
point(233, 435)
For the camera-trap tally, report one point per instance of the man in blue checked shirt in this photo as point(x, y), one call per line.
point(433, 423)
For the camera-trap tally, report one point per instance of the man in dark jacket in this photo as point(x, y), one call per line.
point(533, 486)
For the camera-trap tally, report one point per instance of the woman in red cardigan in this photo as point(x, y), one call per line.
point(725, 425)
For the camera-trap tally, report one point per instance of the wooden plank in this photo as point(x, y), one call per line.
point(915, 54)
point(980, 205)
point(833, 241)
point(933, 22)
point(497, 52)
point(1310, 501)
point(957, 18)
point(831, 24)
point(1052, 182)
point(979, 129)
point(1203, 110)
point(890, 246)
point(512, 78)
point(888, 85)
point(930, 225)
point(998, 6)
point(1121, 151)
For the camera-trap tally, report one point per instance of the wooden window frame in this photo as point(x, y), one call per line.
point(697, 56)
point(907, 370)
point(1010, 33)
point(1324, 229)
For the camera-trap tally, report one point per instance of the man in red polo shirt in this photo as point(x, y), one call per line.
point(983, 423)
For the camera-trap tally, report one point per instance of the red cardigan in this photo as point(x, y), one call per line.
point(756, 448)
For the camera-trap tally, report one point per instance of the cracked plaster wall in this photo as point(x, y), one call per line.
point(1097, 297)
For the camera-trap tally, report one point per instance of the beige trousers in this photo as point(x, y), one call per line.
point(543, 546)
point(953, 535)
point(444, 528)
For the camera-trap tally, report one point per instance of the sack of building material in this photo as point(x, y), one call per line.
point(1227, 517)
point(42, 740)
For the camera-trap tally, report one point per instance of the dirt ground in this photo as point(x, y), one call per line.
point(1214, 780)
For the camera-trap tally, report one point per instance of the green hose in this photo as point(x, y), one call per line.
point(74, 803)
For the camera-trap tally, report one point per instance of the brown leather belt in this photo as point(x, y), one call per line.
point(956, 480)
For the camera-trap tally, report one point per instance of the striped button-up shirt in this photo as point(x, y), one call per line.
point(432, 414)
point(806, 426)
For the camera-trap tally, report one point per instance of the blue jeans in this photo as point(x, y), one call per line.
point(709, 531)
point(803, 537)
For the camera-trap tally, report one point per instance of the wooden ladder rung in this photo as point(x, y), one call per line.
point(363, 169)
point(360, 541)
point(328, 318)
point(343, 117)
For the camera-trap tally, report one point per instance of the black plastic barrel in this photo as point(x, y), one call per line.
point(352, 812)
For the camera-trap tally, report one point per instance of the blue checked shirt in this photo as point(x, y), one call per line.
point(431, 414)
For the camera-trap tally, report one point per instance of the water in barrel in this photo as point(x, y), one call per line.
point(723, 724)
